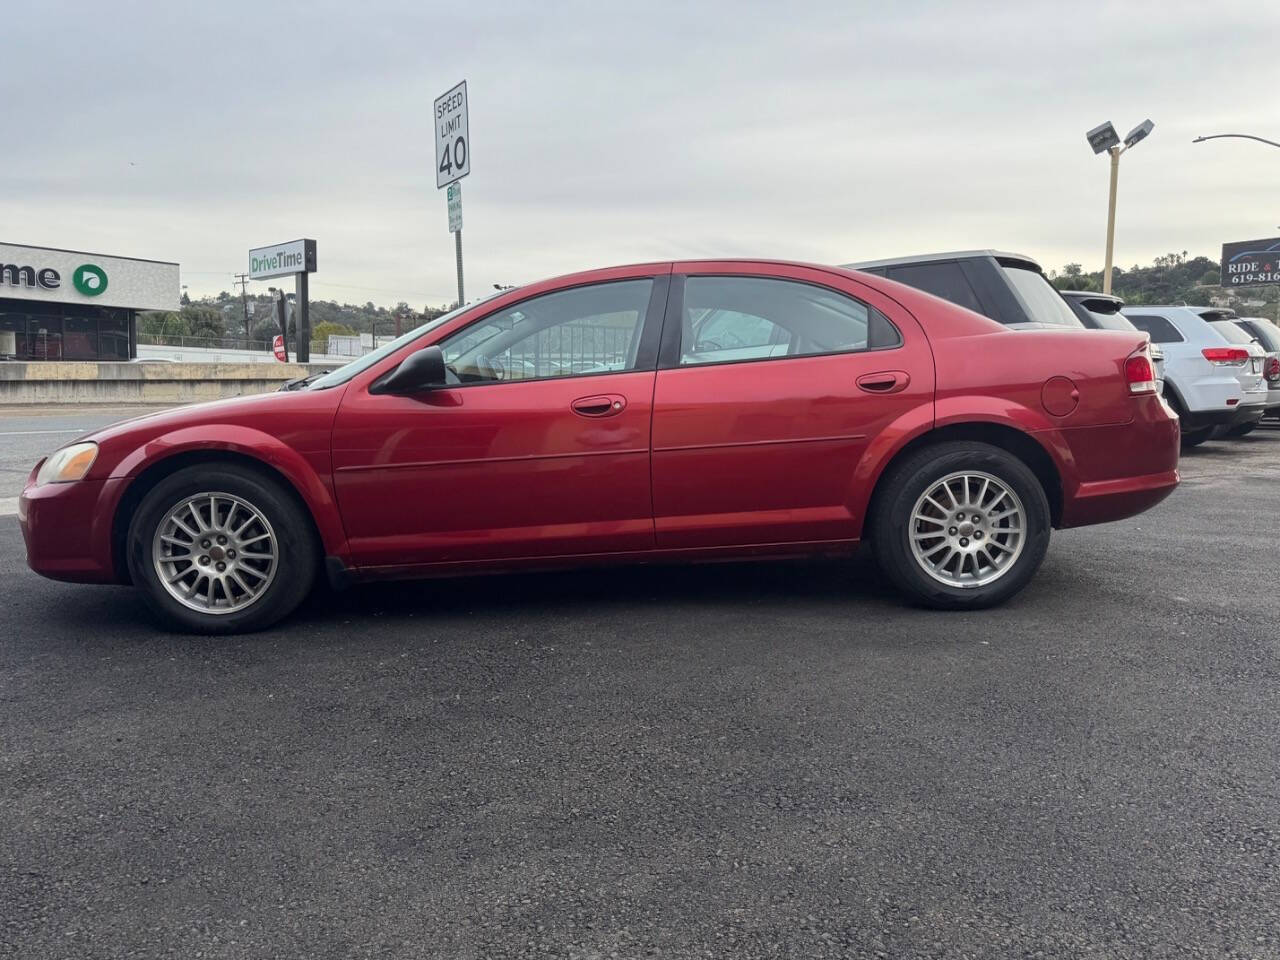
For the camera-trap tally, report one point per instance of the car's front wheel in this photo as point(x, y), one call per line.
point(219, 548)
point(960, 525)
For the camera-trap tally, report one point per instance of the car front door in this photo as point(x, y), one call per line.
point(772, 382)
point(538, 447)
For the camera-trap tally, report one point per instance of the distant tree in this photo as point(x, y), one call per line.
point(163, 323)
point(203, 321)
point(323, 331)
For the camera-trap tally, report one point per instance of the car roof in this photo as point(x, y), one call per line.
point(1001, 255)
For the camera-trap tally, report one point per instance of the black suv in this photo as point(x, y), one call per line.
point(1007, 287)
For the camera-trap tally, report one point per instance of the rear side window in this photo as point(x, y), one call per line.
point(945, 280)
point(1044, 303)
point(1265, 330)
point(728, 319)
point(1160, 329)
point(1231, 333)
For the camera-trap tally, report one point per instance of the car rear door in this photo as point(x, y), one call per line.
point(759, 425)
point(540, 450)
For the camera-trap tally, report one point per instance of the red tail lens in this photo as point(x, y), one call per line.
point(1231, 356)
point(1140, 373)
point(1273, 368)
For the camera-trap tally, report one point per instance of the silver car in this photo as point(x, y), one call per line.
point(1267, 334)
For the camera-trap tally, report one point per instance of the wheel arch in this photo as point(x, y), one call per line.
point(1017, 442)
point(165, 466)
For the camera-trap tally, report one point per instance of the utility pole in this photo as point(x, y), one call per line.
point(243, 279)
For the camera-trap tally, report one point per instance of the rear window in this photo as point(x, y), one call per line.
point(1231, 333)
point(1160, 329)
point(1044, 303)
point(1111, 321)
point(945, 280)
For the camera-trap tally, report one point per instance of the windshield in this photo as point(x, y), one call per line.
point(1044, 303)
point(360, 364)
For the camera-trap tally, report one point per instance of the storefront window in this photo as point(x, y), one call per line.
point(13, 336)
point(113, 338)
point(80, 339)
point(44, 338)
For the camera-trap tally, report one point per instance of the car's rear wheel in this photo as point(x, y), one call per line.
point(1193, 438)
point(960, 525)
point(1242, 429)
point(221, 549)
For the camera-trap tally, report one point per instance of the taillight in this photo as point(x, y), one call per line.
point(1140, 373)
point(1226, 356)
point(1273, 369)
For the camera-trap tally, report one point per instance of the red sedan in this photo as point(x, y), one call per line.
point(660, 412)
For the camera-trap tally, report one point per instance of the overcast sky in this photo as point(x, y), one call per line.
point(608, 133)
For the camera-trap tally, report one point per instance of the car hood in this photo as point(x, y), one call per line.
point(234, 409)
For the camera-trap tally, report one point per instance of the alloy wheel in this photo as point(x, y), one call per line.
point(967, 529)
point(215, 553)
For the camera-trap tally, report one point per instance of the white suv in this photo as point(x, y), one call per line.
point(1212, 380)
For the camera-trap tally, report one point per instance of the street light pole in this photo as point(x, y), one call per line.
point(1103, 138)
point(1111, 218)
point(1242, 136)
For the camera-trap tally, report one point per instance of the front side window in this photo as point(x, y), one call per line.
point(576, 332)
point(1160, 329)
point(727, 319)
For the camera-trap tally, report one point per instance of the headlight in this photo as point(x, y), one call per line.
point(69, 463)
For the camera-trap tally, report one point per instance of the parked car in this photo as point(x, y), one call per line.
point(1010, 288)
point(1101, 311)
point(1214, 385)
point(1267, 334)
point(892, 416)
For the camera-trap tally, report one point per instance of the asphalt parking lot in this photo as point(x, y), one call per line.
point(726, 761)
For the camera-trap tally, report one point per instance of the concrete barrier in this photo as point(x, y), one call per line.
point(28, 384)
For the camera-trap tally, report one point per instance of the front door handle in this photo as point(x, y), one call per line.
point(604, 405)
point(884, 381)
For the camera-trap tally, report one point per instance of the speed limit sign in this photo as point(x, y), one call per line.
point(453, 140)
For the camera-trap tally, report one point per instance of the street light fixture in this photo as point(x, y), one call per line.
point(1104, 139)
point(1242, 136)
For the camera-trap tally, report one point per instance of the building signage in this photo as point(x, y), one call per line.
point(68, 276)
point(453, 136)
point(455, 207)
point(1251, 263)
point(282, 259)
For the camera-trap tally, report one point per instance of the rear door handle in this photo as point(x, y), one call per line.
point(884, 381)
point(605, 405)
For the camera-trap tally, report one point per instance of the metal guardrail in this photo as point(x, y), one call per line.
point(208, 343)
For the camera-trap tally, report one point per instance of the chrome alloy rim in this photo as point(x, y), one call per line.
point(215, 553)
point(967, 530)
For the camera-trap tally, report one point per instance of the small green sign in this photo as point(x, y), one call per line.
point(89, 279)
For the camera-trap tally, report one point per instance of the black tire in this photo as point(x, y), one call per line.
point(297, 548)
point(904, 485)
point(1194, 438)
point(1241, 430)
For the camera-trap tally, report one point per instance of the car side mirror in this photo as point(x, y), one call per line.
point(422, 370)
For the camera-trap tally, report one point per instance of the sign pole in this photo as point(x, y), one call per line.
point(303, 346)
point(457, 243)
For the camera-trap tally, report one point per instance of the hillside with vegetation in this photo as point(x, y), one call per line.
point(1172, 278)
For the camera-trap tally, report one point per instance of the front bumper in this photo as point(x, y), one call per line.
point(67, 528)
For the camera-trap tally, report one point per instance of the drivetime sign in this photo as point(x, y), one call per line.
point(453, 136)
point(282, 259)
point(1251, 263)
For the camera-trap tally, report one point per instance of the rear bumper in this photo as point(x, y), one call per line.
point(67, 529)
point(1224, 419)
point(1120, 470)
